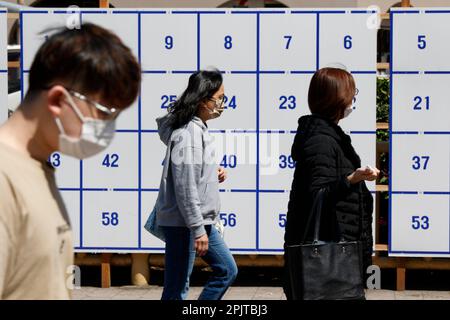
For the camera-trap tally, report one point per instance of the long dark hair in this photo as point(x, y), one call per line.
point(202, 85)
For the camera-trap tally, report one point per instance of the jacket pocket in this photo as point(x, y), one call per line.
point(210, 198)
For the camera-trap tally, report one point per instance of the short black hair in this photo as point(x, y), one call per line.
point(91, 60)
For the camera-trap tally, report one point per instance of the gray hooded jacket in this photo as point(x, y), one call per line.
point(189, 191)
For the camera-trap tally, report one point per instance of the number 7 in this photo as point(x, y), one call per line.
point(288, 38)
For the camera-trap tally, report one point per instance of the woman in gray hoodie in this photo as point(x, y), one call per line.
point(188, 203)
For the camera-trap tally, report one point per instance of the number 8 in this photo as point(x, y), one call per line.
point(228, 42)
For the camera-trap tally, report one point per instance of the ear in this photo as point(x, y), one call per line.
point(55, 99)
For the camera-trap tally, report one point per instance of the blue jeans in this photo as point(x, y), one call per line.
point(179, 262)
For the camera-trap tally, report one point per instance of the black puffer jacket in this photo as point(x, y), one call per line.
point(325, 157)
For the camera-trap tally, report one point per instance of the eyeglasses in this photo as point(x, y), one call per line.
point(218, 102)
point(111, 113)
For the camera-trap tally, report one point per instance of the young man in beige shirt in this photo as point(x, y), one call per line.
point(79, 82)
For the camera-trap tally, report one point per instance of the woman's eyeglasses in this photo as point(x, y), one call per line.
point(218, 102)
point(356, 93)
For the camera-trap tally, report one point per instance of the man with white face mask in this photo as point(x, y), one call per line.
point(79, 82)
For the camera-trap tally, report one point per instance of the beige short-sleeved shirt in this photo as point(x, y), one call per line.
point(35, 236)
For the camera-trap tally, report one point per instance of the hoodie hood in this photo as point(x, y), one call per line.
point(165, 128)
point(312, 125)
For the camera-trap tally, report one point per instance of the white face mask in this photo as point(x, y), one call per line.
point(348, 111)
point(96, 135)
point(215, 112)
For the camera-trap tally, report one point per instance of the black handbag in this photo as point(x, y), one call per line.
point(325, 270)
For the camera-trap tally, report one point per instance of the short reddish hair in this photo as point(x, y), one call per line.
point(331, 91)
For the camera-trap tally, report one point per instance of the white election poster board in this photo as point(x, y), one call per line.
point(420, 133)
point(267, 58)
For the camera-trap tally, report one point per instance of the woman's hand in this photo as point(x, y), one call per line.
point(360, 174)
point(201, 245)
point(222, 174)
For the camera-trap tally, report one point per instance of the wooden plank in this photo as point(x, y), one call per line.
point(382, 65)
point(14, 64)
point(106, 270)
point(381, 188)
point(13, 15)
point(401, 279)
point(104, 3)
point(383, 125)
point(406, 3)
point(381, 247)
point(382, 147)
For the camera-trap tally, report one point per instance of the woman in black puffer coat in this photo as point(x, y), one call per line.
point(326, 159)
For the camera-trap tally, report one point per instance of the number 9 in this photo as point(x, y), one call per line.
point(168, 42)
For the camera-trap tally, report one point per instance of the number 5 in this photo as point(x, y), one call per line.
point(421, 43)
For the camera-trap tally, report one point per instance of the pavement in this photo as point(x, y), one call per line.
point(238, 293)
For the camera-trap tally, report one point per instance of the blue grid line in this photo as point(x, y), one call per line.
point(243, 131)
point(404, 132)
point(126, 189)
point(92, 11)
point(436, 192)
point(73, 11)
point(302, 72)
point(150, 12)
point(81, 203)
point(272, 191)
point(246, 12)
point(217, 131)
point(244, 72)
point(250, 71)
point(198, 41)
point(34, 11)
point(405, 192)
point(436, 72)
point(153, 71)
point(3, 71)
point(363, 132)
point(363, 72)
point(436, 132)
point(363, 11)
point(273, 72)
point(197, 12)
point(391, 80)
point(21, 54)
point(243, 190)
point(150, 190)
point(258, 17)
point(139, 138)
point(420, 252)
point(437, 11)
point(405, 72)
point(405, 11)
point(272, 12)
point(272, 131)
point(127, 130)
point(331, 12)
point(183, 71)
point(304, 12)
point(317, 40)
